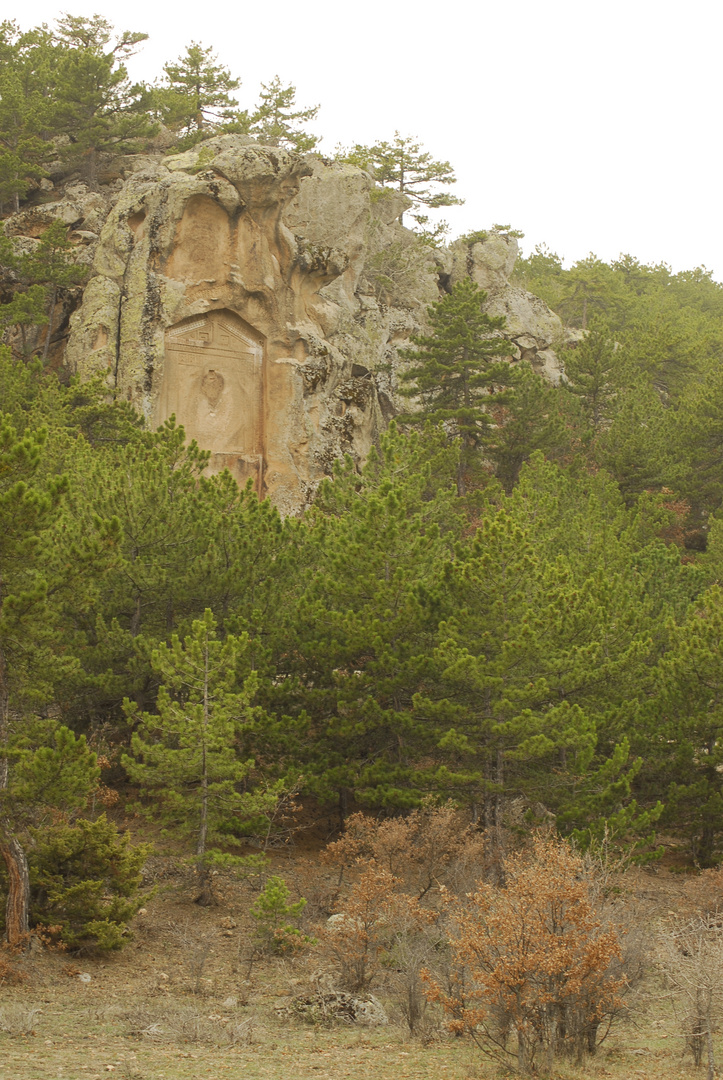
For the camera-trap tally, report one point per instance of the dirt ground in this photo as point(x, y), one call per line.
point(187, 1000)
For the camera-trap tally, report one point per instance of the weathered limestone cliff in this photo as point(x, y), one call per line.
point(260, 296)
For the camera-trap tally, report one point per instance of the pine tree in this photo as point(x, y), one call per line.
point(636, 447)
point(275, 121)
point(85, 880)
point(44, 770)
point(43, 560)
point(196, 97)
point(245, 568)
point(21, 386)
point(531, 420)
point(148, 484)
point(684, 728)
point(26, 106)
point(404, 165)
point(456, 373)
point(41, 276)
point(551, 633)
point(26, 309)
point(590, 286)
point(590, 376)
point(355, 648)
point(27, 510)
point(670, 343)
point(500, 669)
point(52, 266)
point(97, 106)
point(542, 274)
point(694, 436)
point(185, 756)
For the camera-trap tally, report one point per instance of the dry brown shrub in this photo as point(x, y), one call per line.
point(532, 959)
point(415, 943)
point(704, 893)
point(320, 890)
point(178, 1023)
point(690, 958)
point(371, 923)
point(196, 944)
point(392, 874)
point(354, 939)
point(422, 850)
point(10, 973)
point(19, 1019)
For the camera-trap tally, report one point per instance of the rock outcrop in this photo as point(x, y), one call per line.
point(331, 1007)
point(260, 296)
point(533, 330)
point(227, 289)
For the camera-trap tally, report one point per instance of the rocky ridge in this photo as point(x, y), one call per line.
point(262, 296)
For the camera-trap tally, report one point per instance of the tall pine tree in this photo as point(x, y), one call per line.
point(185, 757)
point(455, 371)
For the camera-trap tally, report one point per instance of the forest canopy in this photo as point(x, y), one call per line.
point(515, 601)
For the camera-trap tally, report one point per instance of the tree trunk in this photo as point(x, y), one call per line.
point(461, 484)
point(523, 1061)
point(16, 863)
point(206, 897)
point(498, 842)
point(93, 169)
point(709, 1041)
point(53, 297)
point(18, 901)
point(203, 829)
point(343, 807)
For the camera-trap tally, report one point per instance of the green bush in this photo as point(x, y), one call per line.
point(273, 912)
point(85, 878)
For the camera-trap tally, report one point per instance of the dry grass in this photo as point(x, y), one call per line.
point(154, 1012)
point(169, 1049)
point(178, 1023)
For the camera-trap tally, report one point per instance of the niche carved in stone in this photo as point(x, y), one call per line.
point(213, 381)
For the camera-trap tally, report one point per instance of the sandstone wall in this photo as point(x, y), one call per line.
point(225, 281)
point(260, 296)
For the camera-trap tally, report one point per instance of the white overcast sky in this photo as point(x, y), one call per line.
point(590, 127)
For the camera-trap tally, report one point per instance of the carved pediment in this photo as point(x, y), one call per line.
point(213, 381)
point(221, 331)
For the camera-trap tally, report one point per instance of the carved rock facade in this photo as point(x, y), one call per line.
point(261, 296)
point(205, 304)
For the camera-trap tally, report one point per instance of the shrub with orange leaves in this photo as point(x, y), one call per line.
point(532, 960)
point(354, 939)
point(10, 974)
point(421, 849)
point(370, 923)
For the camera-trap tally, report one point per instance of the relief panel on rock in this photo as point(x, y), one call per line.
point(213, 381)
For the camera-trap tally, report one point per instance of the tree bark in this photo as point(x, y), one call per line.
point(18, 901)
point(206, 897)
point(709, 1041)
point(16, 863)
point(46, 346)
point(461, 485)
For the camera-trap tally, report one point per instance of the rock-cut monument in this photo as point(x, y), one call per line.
point(213, 383)
point(261, 297)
